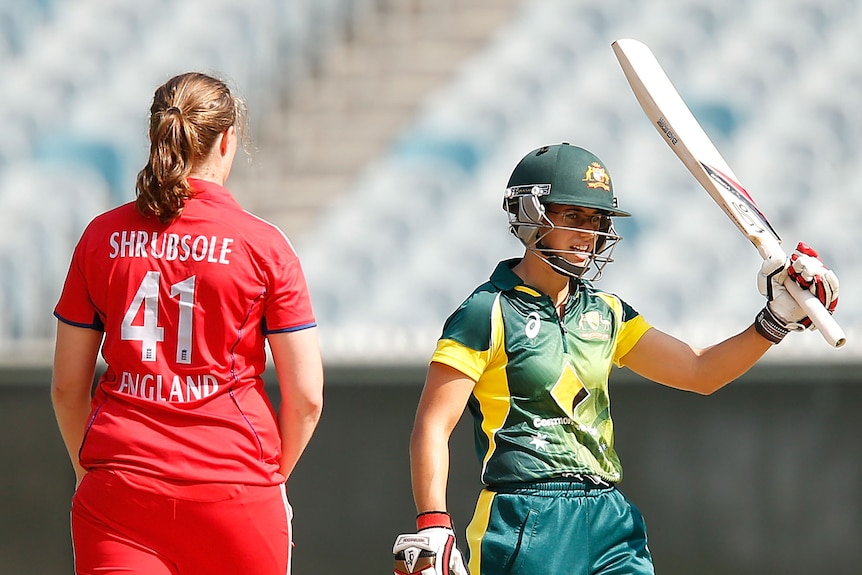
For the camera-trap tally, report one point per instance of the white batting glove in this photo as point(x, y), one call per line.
point(430, 551)
point(782, 314)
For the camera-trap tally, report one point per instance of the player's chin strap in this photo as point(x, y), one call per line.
point(562, 265)
point(567, 268)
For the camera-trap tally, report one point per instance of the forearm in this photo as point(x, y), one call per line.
point(296, 424)
point(443, 400)
point(722, 363)
point(74, 369)
point(429, 468)
point(72, 410)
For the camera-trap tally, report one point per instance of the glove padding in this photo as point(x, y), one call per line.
point(430, 551)
point(782, 312)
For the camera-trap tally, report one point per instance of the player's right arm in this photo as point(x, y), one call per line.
point(443, 400)
point(74, 369)
point(432, 549)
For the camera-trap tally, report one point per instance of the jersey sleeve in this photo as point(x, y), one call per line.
point(288, 307)
point(75, 307)
point(632, 327)
point(468, 361)
point(466, 341)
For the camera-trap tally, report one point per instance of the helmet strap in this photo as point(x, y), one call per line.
point(568, 268)
point(560, 264)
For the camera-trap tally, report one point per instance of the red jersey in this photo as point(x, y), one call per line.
point(185, 308)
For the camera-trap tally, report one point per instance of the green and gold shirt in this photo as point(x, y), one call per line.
point(540, 405)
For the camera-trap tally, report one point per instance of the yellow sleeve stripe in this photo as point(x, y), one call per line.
point(630, 334)
point(468, 361)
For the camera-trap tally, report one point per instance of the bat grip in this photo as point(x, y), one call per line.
point(818, 314)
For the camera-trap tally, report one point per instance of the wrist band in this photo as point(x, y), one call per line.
point(430, 519)
point(769, 326)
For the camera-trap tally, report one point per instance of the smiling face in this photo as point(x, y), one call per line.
point(559, 202)
point(575, 235)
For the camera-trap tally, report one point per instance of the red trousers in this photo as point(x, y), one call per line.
point(129, 524)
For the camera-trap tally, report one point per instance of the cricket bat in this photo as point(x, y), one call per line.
point(678, 127)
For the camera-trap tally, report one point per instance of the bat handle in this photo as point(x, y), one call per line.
point(818, 314)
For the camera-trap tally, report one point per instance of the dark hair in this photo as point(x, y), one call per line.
point(187, 115)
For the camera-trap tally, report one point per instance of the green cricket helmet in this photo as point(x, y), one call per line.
point(565, 175)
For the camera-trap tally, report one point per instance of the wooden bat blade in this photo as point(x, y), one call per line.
point(681, 131)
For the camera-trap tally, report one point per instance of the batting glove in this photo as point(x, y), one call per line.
point(782, 314)
point(430, 551)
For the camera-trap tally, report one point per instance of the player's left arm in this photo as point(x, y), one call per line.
point(299, 369)
point(665, 359)
point(669, 361)
point(74, 369)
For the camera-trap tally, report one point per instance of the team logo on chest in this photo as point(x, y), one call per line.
point(593, 325)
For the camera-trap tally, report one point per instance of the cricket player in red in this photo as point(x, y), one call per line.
point(179, 455)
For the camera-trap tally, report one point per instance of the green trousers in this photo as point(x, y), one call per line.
point(557, 528)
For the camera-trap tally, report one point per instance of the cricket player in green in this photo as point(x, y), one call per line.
point(529, 354)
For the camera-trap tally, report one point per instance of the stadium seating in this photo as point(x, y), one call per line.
point(550, 77)
point(776, 84)
point(77, 76)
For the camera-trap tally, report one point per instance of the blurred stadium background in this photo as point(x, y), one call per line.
point(383, 135)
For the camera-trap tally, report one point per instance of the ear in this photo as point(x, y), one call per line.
point(225, 140)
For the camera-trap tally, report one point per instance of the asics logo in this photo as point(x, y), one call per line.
point(534, 323)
